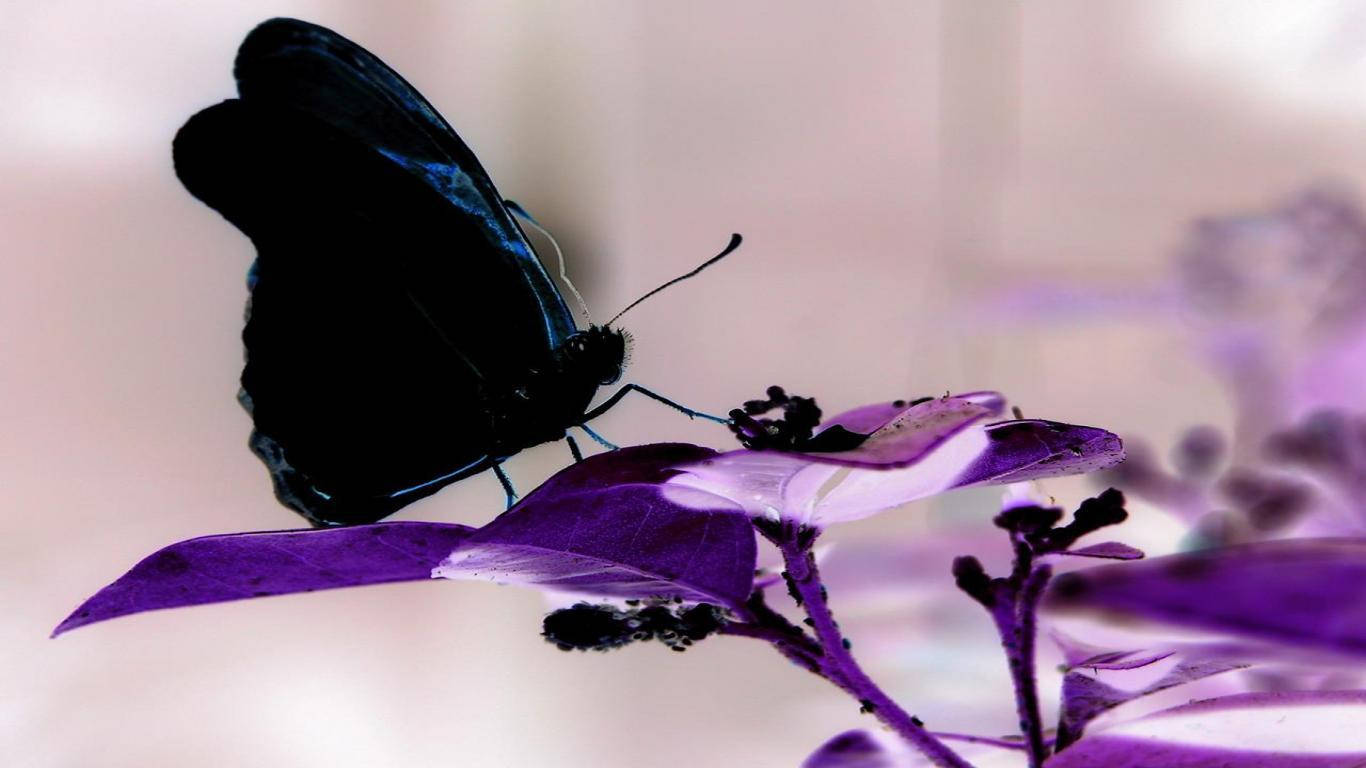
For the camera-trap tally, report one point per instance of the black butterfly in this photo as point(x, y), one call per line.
point(401, 333)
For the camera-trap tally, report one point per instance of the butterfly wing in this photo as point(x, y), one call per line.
point(294, 65)
point(387, 302)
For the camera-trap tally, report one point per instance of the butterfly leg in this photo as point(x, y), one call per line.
point(620, 393)
point(574, 448)
point(599, 439)
point(507, 484)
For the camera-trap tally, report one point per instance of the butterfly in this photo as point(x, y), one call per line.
point(401, 333)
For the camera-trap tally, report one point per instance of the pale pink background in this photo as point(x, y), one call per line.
point(891, 164)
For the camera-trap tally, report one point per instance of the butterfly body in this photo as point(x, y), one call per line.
point(556, 394)
point(401, 333)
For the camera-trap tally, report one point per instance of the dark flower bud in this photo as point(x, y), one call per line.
point(584, 627)
point(656, 618)
point(1101, 511)
point(792, 431)
point(1281, 506)
point(1269, 501)
point(1198, 453)
point(1095, 513)
point(754, 407)
point(972, 578)
point(1028, 519)
point(795, 430)
point(748, 430)
point(699, 621)
point(603, 627)
point(1322, 441)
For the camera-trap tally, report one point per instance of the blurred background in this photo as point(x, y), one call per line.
point(935, 196)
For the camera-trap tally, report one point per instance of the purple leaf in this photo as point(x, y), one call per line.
point(901, 436)
point(1084, 698)
point(1302, 729)
point(865, 420)
point(1029, 449)
point(1309, 593)
point(239, 566)
point(918, 461)
point(1079, 655)
point(1122, 660)
point(604, 527)
point(851, 749)
point(1107, 550)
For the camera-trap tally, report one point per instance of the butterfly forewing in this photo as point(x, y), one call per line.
point(295, 65)
point(387, 305)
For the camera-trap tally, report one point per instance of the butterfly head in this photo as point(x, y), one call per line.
point(599, 353)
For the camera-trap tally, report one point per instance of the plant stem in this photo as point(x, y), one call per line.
point(836, 662)
point(1013, 601)
point(1014, 613)
point(763, 623)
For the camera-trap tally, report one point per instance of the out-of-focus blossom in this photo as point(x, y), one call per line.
point(1273, 300)
point(1277, 301)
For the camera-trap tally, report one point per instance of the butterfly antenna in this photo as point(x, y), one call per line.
point(735, 241)
point(559, 254)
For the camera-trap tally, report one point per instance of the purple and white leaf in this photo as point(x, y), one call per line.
point(1305, 593)
point(930, 448)
point(1297, 729)
point(1086, 697)
point(1079, 655)
point(1121, 661)
point(1032, 449)
point(241, 566)
point(604, 526)
point(899, 436)
point(764, 482)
